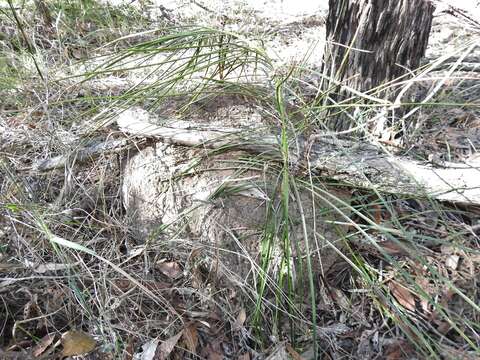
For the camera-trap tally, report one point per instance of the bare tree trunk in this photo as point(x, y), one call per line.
point(371, 42)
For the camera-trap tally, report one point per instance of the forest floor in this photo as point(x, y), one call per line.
point(76, 281)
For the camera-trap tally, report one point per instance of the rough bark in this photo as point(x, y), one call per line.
point(371, 42)
point(357, 164)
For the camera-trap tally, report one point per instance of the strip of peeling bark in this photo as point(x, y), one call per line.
point(358, 164)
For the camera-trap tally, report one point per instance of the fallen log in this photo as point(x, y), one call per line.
point(357, 164)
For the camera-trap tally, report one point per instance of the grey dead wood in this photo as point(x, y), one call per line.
point(355, 163)
point(82, 154)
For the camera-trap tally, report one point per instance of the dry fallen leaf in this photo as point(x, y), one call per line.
point(245, 356)
point(44, 343)
point(241, 317)
point(170, 269)
point(377, 213)
point(452, 262)
point(403, 295)
point(295, 355)
point(340, 298)
point(148, 350)
point(395, 248)
point(190, 336)
point(77, 343)
point(168, 345)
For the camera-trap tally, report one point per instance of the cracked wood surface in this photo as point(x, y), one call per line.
point(357, 164)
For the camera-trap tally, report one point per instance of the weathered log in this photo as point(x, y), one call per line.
point(357, 164)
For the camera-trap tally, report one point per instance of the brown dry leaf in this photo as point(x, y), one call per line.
point(295, 355)
point(403, 295)
point(129, 350)
point(44, 343)
point(393, 248)
point(395, 353)
point(125, 285)
point(241, 317)
point(377, 214)
point(170, 269)
point(190, 336)
point(340, 298)
point(77, 343)
point(398, 350)
point(245, 356)
point(214, 355)
point(168, 345)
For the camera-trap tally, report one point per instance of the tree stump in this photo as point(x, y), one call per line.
point(372, 42)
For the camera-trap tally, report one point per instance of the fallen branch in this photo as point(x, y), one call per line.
point(357, 164)
point(82, 155)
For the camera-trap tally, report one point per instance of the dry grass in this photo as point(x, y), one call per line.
point(404, 282)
